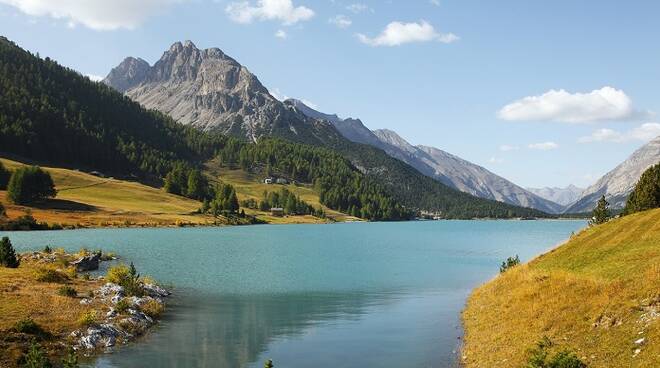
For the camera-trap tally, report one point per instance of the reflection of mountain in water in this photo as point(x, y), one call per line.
point(234, 330)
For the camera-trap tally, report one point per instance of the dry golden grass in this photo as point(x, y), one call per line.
point(595, 296)
point(21, 296)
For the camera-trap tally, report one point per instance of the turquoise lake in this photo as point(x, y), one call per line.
point(342, 295)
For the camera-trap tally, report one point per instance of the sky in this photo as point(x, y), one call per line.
point(544, 93)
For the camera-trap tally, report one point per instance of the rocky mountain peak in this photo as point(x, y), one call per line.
point(128, 74)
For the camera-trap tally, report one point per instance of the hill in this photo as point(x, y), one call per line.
point(598, 295)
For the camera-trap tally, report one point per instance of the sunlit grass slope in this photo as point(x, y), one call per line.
point(598, 295)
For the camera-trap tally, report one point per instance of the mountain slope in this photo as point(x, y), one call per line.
point(210, 91)
point(617, 184)
point(596, 296)
point(435, 163)
point(562, 196)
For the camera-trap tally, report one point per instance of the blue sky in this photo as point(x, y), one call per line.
point(544, 93)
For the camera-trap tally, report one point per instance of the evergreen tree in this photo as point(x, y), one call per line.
point(646, 194)
point(29, 184)
point(7, 254)
point(2, 211)
point(601, 213)
point(36, 358)
point(4, 177)
point(196, 186)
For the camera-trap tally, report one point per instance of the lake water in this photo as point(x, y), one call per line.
point(342, 295)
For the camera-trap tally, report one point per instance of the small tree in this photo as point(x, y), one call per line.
point(269, 364)
point(3, 213)
point(7, 254)
point(4, 177)
point(35, 357)
point(29, 184)
point(601, 213)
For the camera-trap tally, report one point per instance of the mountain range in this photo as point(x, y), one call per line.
point(210, 91)
point(448, 169)
point(563, 196)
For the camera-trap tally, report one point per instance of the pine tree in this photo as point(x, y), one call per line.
point(28, 184)
point(4, 177)
point(7, 254)
point(601, 213)
point(3, 213)
point(35, 357)
point(646, 194)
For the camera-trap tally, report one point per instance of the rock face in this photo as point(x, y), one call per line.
point(211, 91)
point(87, 263)
point(563, 196)
point(617, 184)
point(440, 165)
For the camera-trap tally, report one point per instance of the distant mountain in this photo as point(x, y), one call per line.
point(213, 92)
point(435, 163)
point(617, 184)
point(563, 196)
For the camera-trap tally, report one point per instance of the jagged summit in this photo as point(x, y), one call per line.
point(212, 91)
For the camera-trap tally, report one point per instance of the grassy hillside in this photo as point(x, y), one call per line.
point(90, 201)
point(598, 296)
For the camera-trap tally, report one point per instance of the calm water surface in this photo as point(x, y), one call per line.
point(344, 295)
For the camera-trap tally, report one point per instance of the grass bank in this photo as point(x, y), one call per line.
point(598, 296)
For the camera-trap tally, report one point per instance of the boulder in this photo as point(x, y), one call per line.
point(87, 263)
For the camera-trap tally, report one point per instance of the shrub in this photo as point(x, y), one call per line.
point(70, 360)
point(67, 290)
point(646, 194)
point(50, 275)
point(152, 308)
point(36, 358)
point(539, 357)
point(122, 306)
point(7, 254)
point(28, 326)
point(3, 213)
point(509, 263)
point(127, 277)
point(47, 250)
point(88, 318)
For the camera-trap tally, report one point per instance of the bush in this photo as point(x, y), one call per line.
point(28, 184)
point(47, 250)
point(67, 290)
point(3, 213)
point(28, 326)
point(127, 277)
point(7, 254)
point(88, 318)
point(152, 308)
point(36, 358)
point(70, 360)
point(646, 194)
point(509, 263)
point(122, 306)
point(539, 357)
point(50, 275)
point(4, 177)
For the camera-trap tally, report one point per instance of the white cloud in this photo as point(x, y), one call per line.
point(397, 33)
point(281, 34)
point(278, 94)
point(95, 78)
point(357, 8)
point(495, 160)
point(310, 104)
point(507, 148)
point(341, 21)
point(602, 104)
point(644, 133)
point(435, 2)
point(544, 146)
point(96, 14)
point(279, 10)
